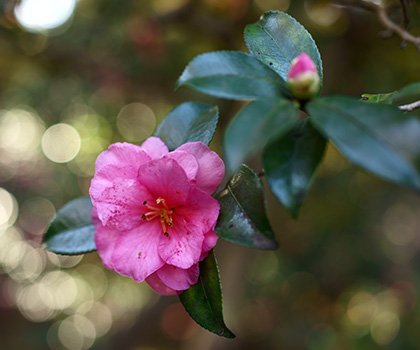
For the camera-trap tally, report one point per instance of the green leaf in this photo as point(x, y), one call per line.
point(243, 218)
point(254, 126)
point(290, 163)
point(377, 137)
point(71, 232)
point(189, 121)
point(232, 74)
point(203, 301)
point(277, 38)
point(408, 94)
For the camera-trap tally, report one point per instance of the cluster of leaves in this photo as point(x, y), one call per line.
point(291, 134)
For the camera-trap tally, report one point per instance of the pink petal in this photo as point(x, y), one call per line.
point(121, 205)
point(166, 179)
point(182, 246)
point(136, 251)
point(121, 160)
point(154, 147)
point(105, 239)
point(186, 161)
point(201, 210)
point(158, 286)
point(211, 168)
point(210, 240)
point(301, 64)
point(178, 279)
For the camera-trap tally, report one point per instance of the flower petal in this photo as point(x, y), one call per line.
point(154, 147)
point(158, 286)
point(201, 210)
point(210, 240)
point(136, 251)
point(121, 160)
point(178, 279)
point(211, 168)
point(182, 246)
point(166, 179)
point(186, 161)
point(120, 206)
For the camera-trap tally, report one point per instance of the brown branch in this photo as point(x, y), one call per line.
point(410, 107)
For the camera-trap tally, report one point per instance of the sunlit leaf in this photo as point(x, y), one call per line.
point(379, 98)
point(290, 163)
point(71, 232)
point(254, 126)
point(203, 301)
point(189, 121)
point(378, 137)
point(233, 75)
point(243, 218)
point(277, 38)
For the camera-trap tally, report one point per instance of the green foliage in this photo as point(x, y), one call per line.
point(233, 75)
point(379, 98)
point(71, 232)
point(203, 301)
point(377, 137)
point(258, 123)
point(277, 38)
point(242, 218)
point(290, 163)
point(190, 121)
point(407, 94)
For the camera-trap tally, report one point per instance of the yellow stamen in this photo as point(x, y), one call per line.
point(160, 211)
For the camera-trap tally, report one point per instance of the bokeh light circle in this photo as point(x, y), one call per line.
point(61, 143)
point(136, 121)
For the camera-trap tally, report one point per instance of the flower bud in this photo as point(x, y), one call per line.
point(303, 78)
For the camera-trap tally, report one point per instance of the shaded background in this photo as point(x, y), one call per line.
point(347, 273)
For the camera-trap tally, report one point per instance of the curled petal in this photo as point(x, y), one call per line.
point(166, 179)
point(210, 240)
point(159, 287)
point(154, 147)
point(211, 168)
point(186, 161)
point(136, 252)
point(182, 246)
point(178, 279)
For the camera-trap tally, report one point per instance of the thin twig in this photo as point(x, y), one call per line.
point(410, 107)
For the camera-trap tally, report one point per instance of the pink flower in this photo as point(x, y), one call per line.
point(153, 211)
point(303, 78)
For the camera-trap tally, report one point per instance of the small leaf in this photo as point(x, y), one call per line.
point(203, 301)
point(243, 218)
point(71, 232)
point(232, 74)
point(408, 94)
point(379, 98)
point(377, 137)
point(290, 164)
point(189, 121)
point(277, 38)
point(254, 126)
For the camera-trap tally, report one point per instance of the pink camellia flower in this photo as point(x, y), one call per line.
point(303, 78)
point(153, 211)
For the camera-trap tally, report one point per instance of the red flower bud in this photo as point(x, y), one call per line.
point(303, 78)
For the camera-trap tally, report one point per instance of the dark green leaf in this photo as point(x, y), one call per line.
point(190, 121)
point(277, 38)
point(290, 164)
point(378, 137)
point(408, 94)
point(254, 126)
point(71, 232)
point(243, 218)
point(203, 301)
point(233, 75)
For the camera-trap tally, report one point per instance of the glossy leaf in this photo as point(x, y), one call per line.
point(233, 75)
point(190, 121)
point(254, 126)
point(378, 137)
point(243, 218)
point(203, 301)
point(71, 232)
point(290, 163)
point(408, 94)
point(277, 38)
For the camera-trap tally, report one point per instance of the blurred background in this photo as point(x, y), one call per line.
point(76, 76)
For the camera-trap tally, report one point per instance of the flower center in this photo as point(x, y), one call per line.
point(162, 211)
